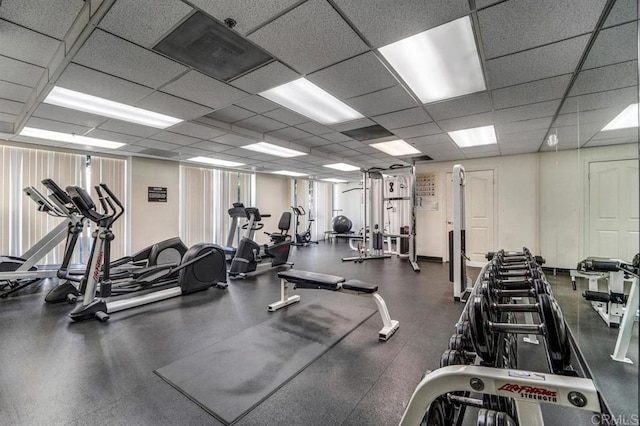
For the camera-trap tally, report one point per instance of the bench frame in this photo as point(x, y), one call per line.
point(389, 326)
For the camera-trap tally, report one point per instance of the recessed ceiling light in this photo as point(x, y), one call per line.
point(628, 118)
point(92, 104)
point(474, 137)
point(395, 148)
point(334, 180)
point(215, 162)
point(342, 166)
point(439, 63)
point(69, 138)
point(288, 173)
point(277, 150)
point(304, 97)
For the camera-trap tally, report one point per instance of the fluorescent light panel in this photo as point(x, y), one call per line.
point(215, 162)
point(395, 148)
point(69, 138)
point(440, 63)
point(474, 137)
point(627, 119)
point(342, 167)
point(304, 97)
point(288, 173)
point(277, 150)
point(92, 104)
point(334, 180)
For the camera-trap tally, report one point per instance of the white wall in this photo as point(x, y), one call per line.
point(540, 201)
point(153, 222)
point(350, 203)
point(273, 196)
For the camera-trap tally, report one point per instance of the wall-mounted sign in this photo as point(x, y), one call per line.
point(157, 194)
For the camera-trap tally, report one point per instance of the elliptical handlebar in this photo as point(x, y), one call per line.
point(113, 197)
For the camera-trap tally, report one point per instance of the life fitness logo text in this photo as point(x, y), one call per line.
point(531, 392)
point(96, 272)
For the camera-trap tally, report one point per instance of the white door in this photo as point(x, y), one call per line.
point(613, 209)
point(479, 214)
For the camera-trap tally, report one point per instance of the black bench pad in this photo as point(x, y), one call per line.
point(361, 286)
point(305, 279)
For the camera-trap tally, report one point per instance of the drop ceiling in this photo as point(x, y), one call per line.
point(556, 66)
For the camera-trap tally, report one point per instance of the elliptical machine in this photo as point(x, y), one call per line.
point(250, 254)
point(202, 266)
point(304, 238)
point(236, 213)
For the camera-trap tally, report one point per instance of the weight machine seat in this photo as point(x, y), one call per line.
point(598, 264)
point(361, 286)
point(305, 279)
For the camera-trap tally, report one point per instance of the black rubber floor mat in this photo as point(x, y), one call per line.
point(231, 377)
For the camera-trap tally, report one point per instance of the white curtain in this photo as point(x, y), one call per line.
point(205, 196)
point(323, 194)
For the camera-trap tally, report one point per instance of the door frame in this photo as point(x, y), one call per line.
point(445, 234)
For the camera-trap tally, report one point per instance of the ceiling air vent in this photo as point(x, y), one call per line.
point(366, 133)
point(210, 47)
point(421, 158)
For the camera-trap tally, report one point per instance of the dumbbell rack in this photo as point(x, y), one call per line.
point(509, 396)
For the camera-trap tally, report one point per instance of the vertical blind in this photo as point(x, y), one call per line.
point(21, 224)
point(205, 196)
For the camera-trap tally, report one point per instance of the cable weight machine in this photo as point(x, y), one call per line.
point(388, 197)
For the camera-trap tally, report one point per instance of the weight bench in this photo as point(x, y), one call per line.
point(313, 280)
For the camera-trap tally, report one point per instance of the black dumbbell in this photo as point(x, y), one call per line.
point(484, 329)
point(456, 357)
point(494, 418)
point(493, 271)
point(460, 342)
point(497, 293)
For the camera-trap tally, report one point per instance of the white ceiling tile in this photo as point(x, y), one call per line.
point(234, 140)
point(523, 126)
point(611, 134)
point(197, 130)
point(350, 125)
point(353, 145)
point(603, 116)
point(419, 130)
point(383, 22)
point(129, 128)
point(14, 92)
point(541, 62)
point(113, 55)
point(314, 141)
point(50, 17)
point(285, 116)
point(474, 103)
point(257, 104)
point(314, 128)
point(26, 45)
point(133, 149)
point(535, 91)
point(336, 137)
point(289, 134)
point(606, 142)
point(467, 122)
point(436, 139)
point(112, 136)
point(526, 112)
point(191, 151)
point(265, 78)
point(482, 154)
point(484, 3)
point(353, 77)
point(513, 26)
point(519, 149)
point(383, 101)
point(170, 105)
point(606, 78)
point(613, 45)
point(300, 37)
point(247, 13)
point(231, 114)
point(6, 122)
point(56, 126)
point(261, 124)
point(144, 22)
point(531, 137)
point(612, 98)
point(403, 118)
point(92, 82)
point(10, 107)
point(622, 11)
point(52, 112)
point(152, 143)
point(20, 72)
point(175, 138)
point(211, 146)
point(204, 90)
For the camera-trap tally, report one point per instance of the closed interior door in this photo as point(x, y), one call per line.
point(479, 213)
point(613, 209)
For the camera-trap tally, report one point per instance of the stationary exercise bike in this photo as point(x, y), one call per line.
point(250, 254)
point(304, 238)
